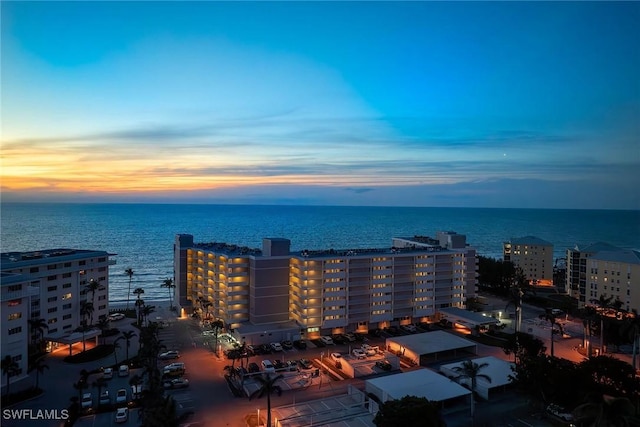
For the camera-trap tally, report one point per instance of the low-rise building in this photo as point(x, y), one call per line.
point(533, 255)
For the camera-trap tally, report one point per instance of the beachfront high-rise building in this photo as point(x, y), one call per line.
point(313, 292)
point(533, 255)
point(50, 285)
point(603, 270)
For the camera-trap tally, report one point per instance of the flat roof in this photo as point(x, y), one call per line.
point(497, 369)
point(432, 342)
point(421, 383)
point(466, 317)
point(336, 411)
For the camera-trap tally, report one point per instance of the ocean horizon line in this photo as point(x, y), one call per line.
point(194, 203)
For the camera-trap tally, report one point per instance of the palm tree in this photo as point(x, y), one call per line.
point(604, 411)
point(9, 368)
point(139, 303)
point(86, 311)
point(602, 302)
point(92, 287)
point(552, 318)
point(99, 383)
point(267, 386)
point(146, 311)
point(38, 326)
point(632, 330)
point(471, 370)
point(129, 272)
point(39, 366)
point(216, 325)
point(519, 288)
point(80, 386)
point(127, 336)
point(168, 283)
point(206, 305)
point(103, 325)
point(116, 346)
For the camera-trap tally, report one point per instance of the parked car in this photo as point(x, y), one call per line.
point(107, 373)
point(104, 398)
point(410, 328)
point(336, 356)
point(339, 339)
point(87, 401)
point(253, 367)
point(287, 345)
point(305, 363)
point(122, 415)
point(121, 396)
point(350, 337)
point(370, 350)
point(123, 371)
point(267, 366)
point(265, 349)
point(326, 340)
point(300, 344)
point(358, 353)
point(172, 354)
point(384, 365)
point(559, 412)
point(115, 317)
point(275, 346)
point(280, 365)
point(176, 383)
point(174, 370)
point(293, 365)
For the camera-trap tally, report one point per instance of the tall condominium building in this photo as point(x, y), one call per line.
point(533, 255)
point(324, 291)
point(603, 270)
point(49, 285)
point(577, 276)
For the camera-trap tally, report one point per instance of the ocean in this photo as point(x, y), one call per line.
point(142, 235)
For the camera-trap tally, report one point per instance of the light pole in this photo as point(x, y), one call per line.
point(258, 424)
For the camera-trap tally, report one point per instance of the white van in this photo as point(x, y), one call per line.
point(267, 366)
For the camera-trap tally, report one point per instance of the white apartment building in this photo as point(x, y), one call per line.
point(577, 273)
point(325, 291)
point(49, 285)
point(533, 255)
point(614, 274)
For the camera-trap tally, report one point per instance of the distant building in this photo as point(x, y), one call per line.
point(324, 291)
point(614, 274)
point(48, 285)
point(576, 275)
point(533, 255)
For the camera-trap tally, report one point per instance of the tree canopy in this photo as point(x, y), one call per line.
point(409, 411)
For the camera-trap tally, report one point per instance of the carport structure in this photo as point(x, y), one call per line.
point(345, 410)
point(466, 318)
point(431, 347)
point(497, 369)
point(74, 337)
point(420, 383)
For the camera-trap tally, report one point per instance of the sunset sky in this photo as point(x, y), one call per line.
point(503, 104)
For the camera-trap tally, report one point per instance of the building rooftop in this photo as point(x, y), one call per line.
point(623, 256)
point(9, 260)
point(432, 342)
point(421, 383)
point(424, 244)
point(530, 240)
point(597, 247)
